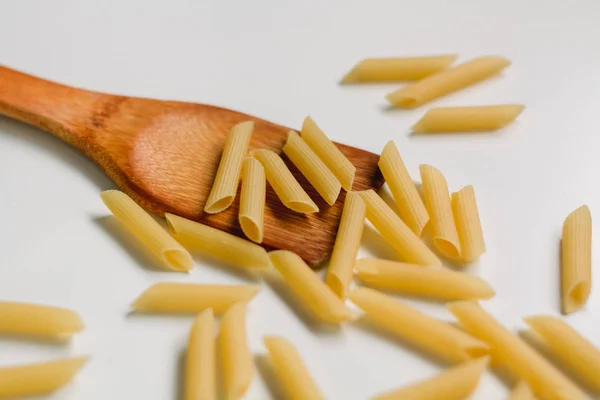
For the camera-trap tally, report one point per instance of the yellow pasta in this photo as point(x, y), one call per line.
point(576, 268)
point(294, 378)
point(171, 297)
point(407, 198)
point(397, 69)
point(37, 321)
point(252, 199)
point(468, 224)
point(434, 336)
point(416, 280)
point(521, 392)
point(467, 119)
point(448, 81)
point(217, 244)
point(328, 152)
point(574, 351)
point(200, 360)
point(455, 383)
point(395, 232)
point(346, 245)
point(284, 184)
point(38, 379)
point(236, 359)
point(545, 380)
point(147, 231)
point(226, 181)
point(439, 206)
point(316, 296)
point(311, 166)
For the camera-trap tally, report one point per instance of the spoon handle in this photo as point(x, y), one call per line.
point(61, 110)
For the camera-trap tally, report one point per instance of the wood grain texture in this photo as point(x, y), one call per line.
point(165, 154)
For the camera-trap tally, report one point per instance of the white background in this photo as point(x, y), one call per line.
point(282, 61)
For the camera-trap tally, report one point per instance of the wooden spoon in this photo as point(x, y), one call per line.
point(164, 154)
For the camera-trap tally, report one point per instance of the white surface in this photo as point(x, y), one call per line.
point(281, 61)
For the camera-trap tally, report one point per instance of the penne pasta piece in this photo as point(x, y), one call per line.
point(347, 242)
point(545, 380)
point(468, 224)
point(448, 81)
point(236, 359)
point(395, 232)
point(200, 360)
point(397, 69)
point(413, 279)
point(439, 206)
point(521, 392)
point(574, 351)
point(455, 383)
point(576, 268)
point(38, 321)
point(431, 335)
point(467, 119)
point(147, 231)
point(317, 297)
point(38, 379)
point(284, 184)
point(294, 378)
point(190, 298)
point(311, 166)
point(407, 198)
point(217, 244)
point(328, 152)
point(228, 174)
point(252, 199)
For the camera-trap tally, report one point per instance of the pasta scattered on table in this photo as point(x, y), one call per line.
point(200, 359)
point(468, 224)
point(236, 359)
point(252, 199)
point(467, 119)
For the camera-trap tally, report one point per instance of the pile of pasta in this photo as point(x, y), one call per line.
point(435, 79)
point(450, 219)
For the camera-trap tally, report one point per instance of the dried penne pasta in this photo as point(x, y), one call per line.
point(467, 119)
point(317, 297)
point(573, 350)
point(149, 233)
point(407, 198)
point(439, 206)
point(521, 392)
point(576, 268)
point(395, 232)
point(200, 360)
point(434, 336)
point(252, 199)
point(38, 321)
point(328, 152)
point(456, 383)
point(397, 69)
point(468, 224)
point(448, 81)
point(226, 181)
point(284, 184)
point(217, 244)
point(545, 380)
point(294, 378)
point(346, 245)
point(38, 379)
point(416, 280)
point(189, 298)
point(311, 166)
point(236, 359)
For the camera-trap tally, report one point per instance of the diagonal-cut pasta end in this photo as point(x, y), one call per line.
point(171, 218)
point(64, 370)
point(335, 284)
point(218, 205)
point(251, 229)
point(576, 297)
point(178, 260)
point(447, 248)
point(251, 291)
point(399, 100)
point(352, 76)
point(365, 268)
point(302, 207)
